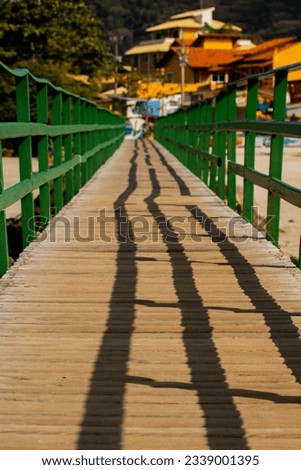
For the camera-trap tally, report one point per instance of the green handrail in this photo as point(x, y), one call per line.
point(187, 134)
point(83, 137)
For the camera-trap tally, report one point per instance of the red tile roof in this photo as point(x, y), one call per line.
point(270, 45)
point(264, 52)
point(207, 58)
point(200, 57)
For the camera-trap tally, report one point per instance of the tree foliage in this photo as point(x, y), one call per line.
point(53, 39)
point(62, 31)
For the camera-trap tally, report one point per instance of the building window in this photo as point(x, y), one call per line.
point(169, 77)
point(135, 62)
point(198, 76)
point(156, 58)
point(219, 77)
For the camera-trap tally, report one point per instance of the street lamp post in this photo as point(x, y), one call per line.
point(116, 66)
point(183, 61)
point(117, 60)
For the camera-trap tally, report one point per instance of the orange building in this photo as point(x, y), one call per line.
point(207, 66)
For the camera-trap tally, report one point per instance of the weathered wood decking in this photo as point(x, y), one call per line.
point(151, 330)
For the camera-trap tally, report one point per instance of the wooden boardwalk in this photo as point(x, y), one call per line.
point(134, 323)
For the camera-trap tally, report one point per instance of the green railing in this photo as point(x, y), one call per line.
point(81, 136)
point(203, 137)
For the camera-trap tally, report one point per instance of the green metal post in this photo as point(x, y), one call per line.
point(98, 138)
point(232, 116)
point(201, 139)
point(42, 117)
point(67, 143)
point(208, 112)
point(94, 139)
point(183, 134)
point(77, 145)
point(3, 231)
point(89, 120)
point(221, 187)
point(186, 141)
point(189, 122)
point(57, 150)
point(25, 159)
point(84, 165)
point(195, 141)
point(276, 156)
point(215, 146)
point(249, 159)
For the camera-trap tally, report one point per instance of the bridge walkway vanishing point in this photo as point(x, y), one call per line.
point(142, 326)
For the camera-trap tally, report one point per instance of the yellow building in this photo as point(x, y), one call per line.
point(145, 56)
point(288, 56)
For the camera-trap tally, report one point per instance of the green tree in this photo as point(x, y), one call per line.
point(62, 31)
point(52, 38)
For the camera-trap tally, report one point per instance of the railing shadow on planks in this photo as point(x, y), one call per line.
point(203, 137)
point(80, 136)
